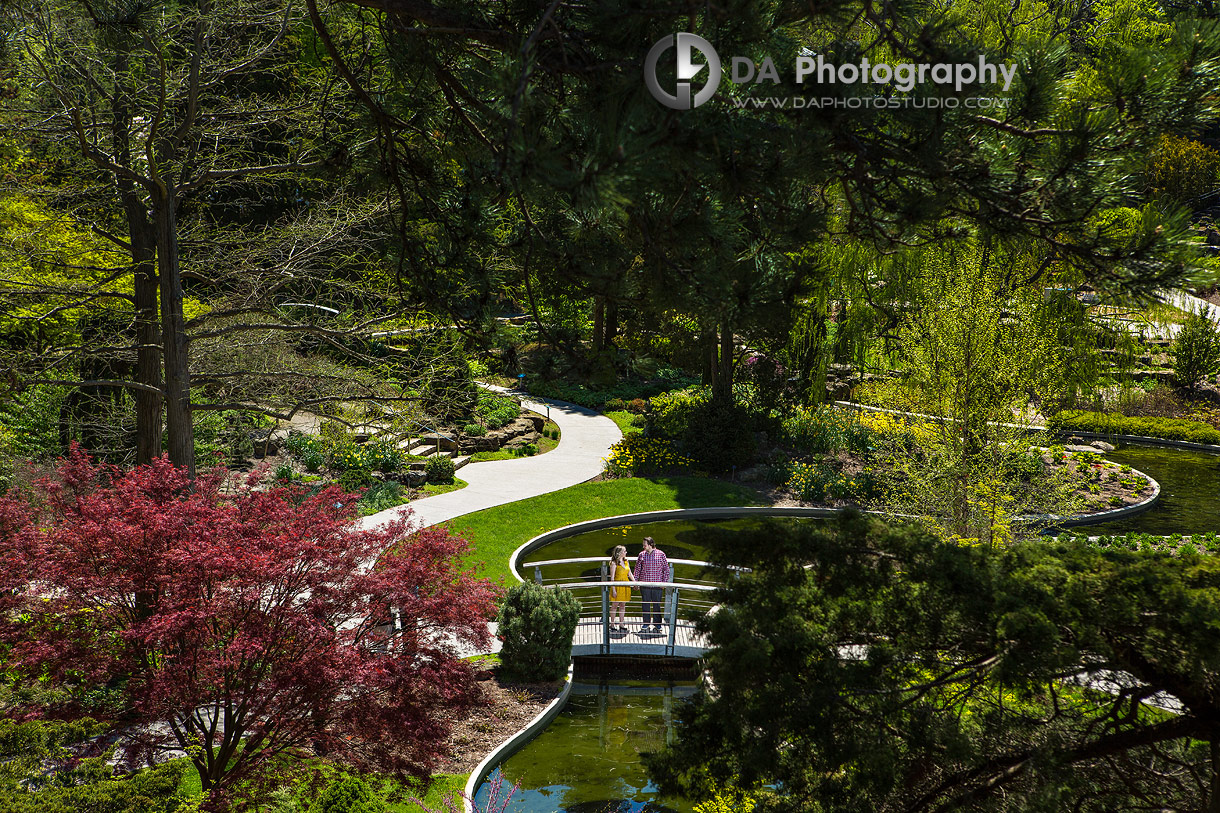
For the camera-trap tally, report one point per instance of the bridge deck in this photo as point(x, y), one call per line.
point(588, 639)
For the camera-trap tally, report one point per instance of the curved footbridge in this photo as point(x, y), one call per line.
point(683, 601)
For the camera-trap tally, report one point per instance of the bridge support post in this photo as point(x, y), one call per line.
point(671, 611)
point(605, 618)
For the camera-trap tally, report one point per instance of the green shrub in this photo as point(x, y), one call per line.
point(1108, 423)
point(381, 496)
point(496, 411)
point(355, 480)
point(672, 412)
point(32, 420)
point(537, 624)
point(313, 460)
point(283, 473)
point(474, 430)
point(1196, 350)
point(298, 443)
point(639, 421)
point(614, 405)
point(529, 450)
point(348, 794)
point(1182, 168)
point(718, 436)
point(439, 469)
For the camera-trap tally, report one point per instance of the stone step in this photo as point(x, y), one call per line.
point(458, 462)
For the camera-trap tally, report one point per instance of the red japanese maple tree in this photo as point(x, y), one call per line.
point(247, 623)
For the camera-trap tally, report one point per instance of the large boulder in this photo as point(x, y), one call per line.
point(523, 440)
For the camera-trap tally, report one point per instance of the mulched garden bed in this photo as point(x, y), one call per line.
point(505, 709)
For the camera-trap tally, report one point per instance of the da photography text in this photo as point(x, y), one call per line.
point(693, 55)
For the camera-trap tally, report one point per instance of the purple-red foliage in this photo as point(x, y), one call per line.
point(252, 624)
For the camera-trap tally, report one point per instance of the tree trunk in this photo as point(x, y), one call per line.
point(707, 342)
point(611, 325)
point(599, 323)
point(1213, 803)
point(173, 334)
point(722, 388)
point(142, 236)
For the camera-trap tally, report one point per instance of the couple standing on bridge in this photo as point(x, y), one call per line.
point(650, 566)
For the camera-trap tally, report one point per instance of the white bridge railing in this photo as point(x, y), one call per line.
point(684, 601)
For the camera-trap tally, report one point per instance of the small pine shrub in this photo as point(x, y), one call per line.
point(355, 480)
point(537, 624)
point(474, 430)
point(439, 469)
point(1196, 350)
point(346, 795)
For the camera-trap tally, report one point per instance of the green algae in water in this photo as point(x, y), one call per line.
point(588, 759)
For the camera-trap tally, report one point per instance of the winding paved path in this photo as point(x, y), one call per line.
point(584, 441)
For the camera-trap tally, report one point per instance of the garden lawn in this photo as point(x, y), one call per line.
point(495, 533)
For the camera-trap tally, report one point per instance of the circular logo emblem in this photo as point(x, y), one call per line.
point(687, 69)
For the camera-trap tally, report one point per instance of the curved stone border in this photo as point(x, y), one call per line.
point(1172, 444)
point(721, 512)
point(1166, 442)
point(1102, 516)
point(505, 749)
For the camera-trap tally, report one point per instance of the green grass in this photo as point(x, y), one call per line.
point(431, 489)
point(624, 419)
point(444, 787)
point(496, 532)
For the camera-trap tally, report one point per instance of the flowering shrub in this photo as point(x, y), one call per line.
point(383, 456)
point(897, 429)
point(347, 456)
point(817, 481)
point(636, 454)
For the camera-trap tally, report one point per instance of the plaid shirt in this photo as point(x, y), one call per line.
point(651, 566)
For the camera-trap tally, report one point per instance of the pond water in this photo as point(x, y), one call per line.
point(588, 759)
point(1190, 492)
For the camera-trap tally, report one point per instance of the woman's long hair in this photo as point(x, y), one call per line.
point(619, 555)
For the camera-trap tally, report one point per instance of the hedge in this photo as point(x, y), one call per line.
point(1107, 423)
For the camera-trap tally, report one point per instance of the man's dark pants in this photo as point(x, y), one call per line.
point(651, 596)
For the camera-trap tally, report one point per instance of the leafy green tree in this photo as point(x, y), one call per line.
point(703, 214)
point(977, 352)
point(537, 624)
point(860, 666)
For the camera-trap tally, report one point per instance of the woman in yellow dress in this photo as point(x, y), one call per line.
point(619, 596)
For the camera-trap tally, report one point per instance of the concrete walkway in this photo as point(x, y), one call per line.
point(584, 442)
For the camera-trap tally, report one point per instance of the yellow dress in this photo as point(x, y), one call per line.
point(621, 574)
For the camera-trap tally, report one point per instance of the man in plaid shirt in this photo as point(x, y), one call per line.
point(651, 566)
